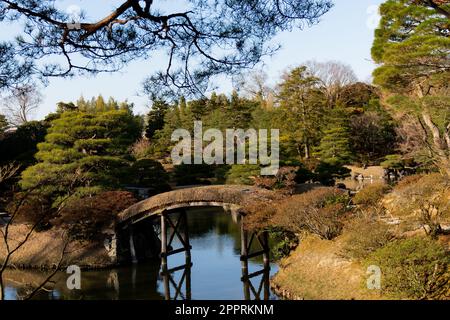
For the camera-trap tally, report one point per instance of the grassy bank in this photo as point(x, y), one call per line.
point(317, 271)
point(403, 231)
point(45, 249)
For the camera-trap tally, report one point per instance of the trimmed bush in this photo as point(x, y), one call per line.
point(284, 180)
point(415, 268)
point(318, 211)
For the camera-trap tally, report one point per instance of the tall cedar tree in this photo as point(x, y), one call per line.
point(155, 118)
point(334, 147)
point(302, 102)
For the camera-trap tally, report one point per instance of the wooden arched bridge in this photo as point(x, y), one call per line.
point(230, 197)
point(170, 208)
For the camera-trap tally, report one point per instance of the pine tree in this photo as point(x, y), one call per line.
point(412, 47)
point(87, 151)
point(155, 118)
point(412, 44)
point(334, 147)
point(82, 104)
point(239, 111)
point(302, 107)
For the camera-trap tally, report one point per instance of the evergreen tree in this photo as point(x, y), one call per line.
point(239, 111)
point(182, 106)
point(412, 44)
point(198, 109)
point(155, 118)
point(82, 104)
point(112, 104)
point(412, 47)
point(100, 104)
point(87, 151)
point(302, 107)
point(334, 147)
point(20, 146)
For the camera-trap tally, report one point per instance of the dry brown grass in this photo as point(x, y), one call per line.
point(43, 250)
point(316, 271)
point(420, 200)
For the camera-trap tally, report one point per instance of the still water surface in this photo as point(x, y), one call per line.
point(215, 272)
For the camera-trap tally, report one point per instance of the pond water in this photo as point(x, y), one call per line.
point(215, 272)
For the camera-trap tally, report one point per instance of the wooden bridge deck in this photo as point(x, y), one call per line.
point(228, 196)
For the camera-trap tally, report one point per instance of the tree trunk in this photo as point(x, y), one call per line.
point(441, 144)
point(307, 152)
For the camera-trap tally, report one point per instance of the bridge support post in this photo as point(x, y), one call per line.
point(132, 246)
point(171, 282)
point(179, 228)
point(163, 241)
point(187, 245)
point(246, 254)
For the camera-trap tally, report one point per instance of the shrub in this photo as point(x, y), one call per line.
point(323, 172)
point(284, 180)
point(371, 195)
point(259, 215)
point(186, 174)
point(284, 242)
point(140, 149)
point(31, 209)
point(364, 236)
point(415, 268)
point(408, 181)
point(149, 173)
point(318, 211)
point(243, 174)
point(85, 218)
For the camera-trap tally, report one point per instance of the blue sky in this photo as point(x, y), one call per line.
point(344, 34)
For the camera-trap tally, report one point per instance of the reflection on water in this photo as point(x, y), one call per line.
point(213, 271)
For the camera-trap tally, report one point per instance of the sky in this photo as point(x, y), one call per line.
point(344, 34)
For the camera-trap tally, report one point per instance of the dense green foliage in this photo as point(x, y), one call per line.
point(317, 137)
point(85, 150)
point(364, 235)
point(415, 268)
point(155, 118)
point(412, 43)
point(334, 147)
point(412, 47)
